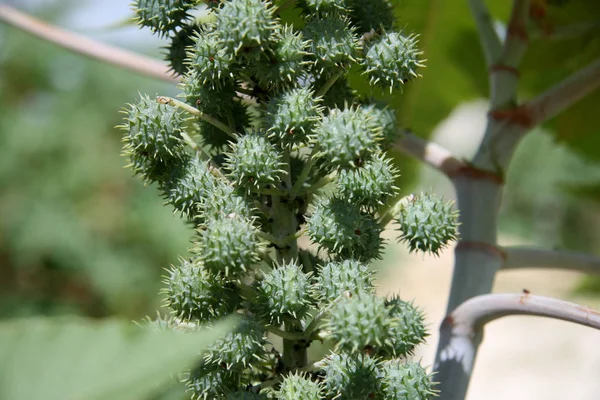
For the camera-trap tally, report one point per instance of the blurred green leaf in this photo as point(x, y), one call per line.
point(80, 359)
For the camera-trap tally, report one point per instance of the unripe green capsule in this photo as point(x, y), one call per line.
point(392, 59)
point(193, 293)
point(406, 381)
point(284, 294)
point(162, 16)
point(337, 278)
point(254, 162)
point(351, 377)
point(299, 386)
point(347, 138)
point(228, 245)
point(333, 43)
point(345, 230)
point(427, 223)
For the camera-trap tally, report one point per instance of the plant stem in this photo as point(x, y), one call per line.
point(490, 41)
point(325, 88)
point(194, 111)
point(430, 153)
point(563, 95)
point(310, 162)
point(79, 44)
point(529, 257)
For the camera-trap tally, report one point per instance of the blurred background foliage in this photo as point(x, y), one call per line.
point(80, 235)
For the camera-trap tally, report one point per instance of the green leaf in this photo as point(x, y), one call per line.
point(81, 359)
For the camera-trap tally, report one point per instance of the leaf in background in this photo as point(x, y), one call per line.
point(79, 359)
point(548, 61)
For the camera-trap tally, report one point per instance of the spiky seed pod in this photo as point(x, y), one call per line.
point(369, 185)
point(427, 223)
point(351, 377)
point(406, 381)
point(193, 293)
point(245, 25)
point(338, 277)
point(221, 104)
point(384, 117)
point(168, 323)
point(210, 381)
point(284, 294)
point(359, 322)
point(177, 50)
point(223, 199)
point(343, 229)
point(292, 116)
point(408, 330)
point(152, 138)
point(392, 60)
point(284, 65)
point(371, 14)
point(347, 138)
point(333, 43)
point(236, 350)
point(228, 245)
point(298, 386)
point(212, 62)
point(188, 185)
point(254, 162)
point(162, 16)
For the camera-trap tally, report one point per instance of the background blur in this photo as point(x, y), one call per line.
point(80, 235)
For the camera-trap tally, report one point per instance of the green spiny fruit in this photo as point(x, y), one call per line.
point(359, 322)
point(392, 59)
point(254, 162)
point(339, 277)
point(228, 245)
point(369, 185)
point(371, 14)
point(406, 381)
point(292, 116)
point(188, 185)
point(284, 65)
point(347, 138)
point(333, 43)
point(193, 293)
point(162, 16)
point(178, 48)
point(298, 386)
point(152, 138)
point(351, 377)
point(212, 62)
point(427, 223)
point(153, 129)
point(210, 381)
point(343, 229)
point(284, 294)
point(408, 330)
point(385, 118)
point(244, 25)
point(238, 349)
point(223, 199)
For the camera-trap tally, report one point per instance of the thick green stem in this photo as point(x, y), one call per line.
point(285, 224)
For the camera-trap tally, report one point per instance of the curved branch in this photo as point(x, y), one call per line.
point(79, 44)
point(529, 257)
point(563, 95)
point(464, 328)
point(430, 153)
